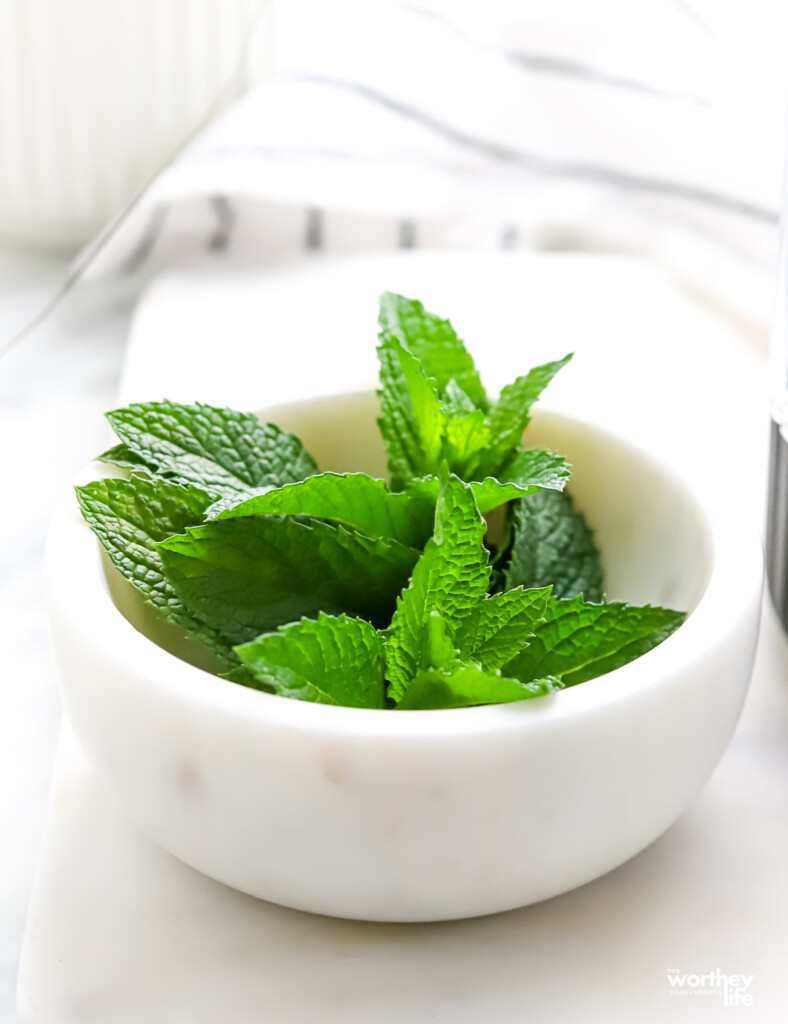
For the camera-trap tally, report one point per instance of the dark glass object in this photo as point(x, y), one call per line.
point(777, 512)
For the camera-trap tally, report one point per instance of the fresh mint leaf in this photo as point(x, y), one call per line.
point(553, 545)
point(438, 648)
point(241, 676)
point(455, 401)
point(500, 626)
point(465, 429)
point(434, 343)
point(129, 517)
point(531, 470)
point(397, 423)
point(511, 414)
point(467, 685)
point(429, 416)
point(491, 493)
point(534, 470)
point(248, 575)
point(219, 450)
point(450, 577)
point(330, 660)
point(425, 403)
point(356, 500)
point(465, 437)
point(418, 432)
point(121, 455)
point(578, 641)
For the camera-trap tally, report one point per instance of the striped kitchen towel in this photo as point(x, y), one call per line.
point(653, 128)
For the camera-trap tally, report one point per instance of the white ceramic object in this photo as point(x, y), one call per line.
point(97, 95)
point(408, 816)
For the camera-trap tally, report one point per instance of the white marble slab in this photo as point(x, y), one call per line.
point(119, 931)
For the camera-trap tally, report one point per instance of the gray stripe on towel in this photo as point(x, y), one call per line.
point(539, 164)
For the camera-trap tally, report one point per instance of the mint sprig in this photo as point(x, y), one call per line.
point(248, 575)
point(219, 450)
point(451, 578)
point(328, 660)
point(447, 638)
point(435, 344)
point(552, 544)
point(578, 640)
point(433, 406)
point(511, 414)
point(467, 685)
point(356, 500)
point(338, 588)
point(130, 517)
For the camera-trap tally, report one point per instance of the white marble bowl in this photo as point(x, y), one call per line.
point(424, 815)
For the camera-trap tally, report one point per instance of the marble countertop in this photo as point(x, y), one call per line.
point(53, 389)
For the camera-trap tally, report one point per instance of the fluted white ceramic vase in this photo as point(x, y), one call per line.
point(96, 95)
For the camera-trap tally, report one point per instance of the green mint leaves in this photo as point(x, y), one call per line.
point(511, 414)
point(470, 579)
point(467, 685)
point(329, 660)
point(448, 638)
point(354, 499)
point(450, 578)
point(247, 575)
point(219, 450)
point(577, 641)
point(552, 544)
point(499, 627)
point(130, 517)
point(433, 406)
point(446, 642)
point(434, 343)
